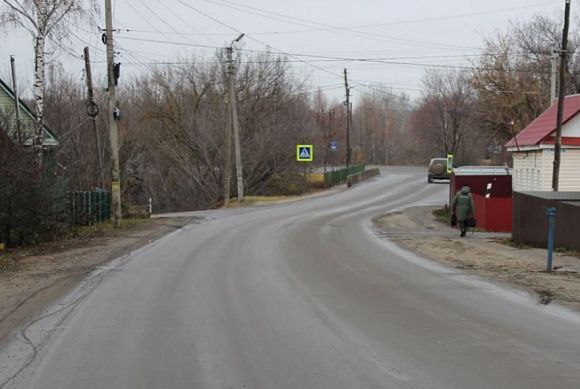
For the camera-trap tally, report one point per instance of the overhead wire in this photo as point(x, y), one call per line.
point(299, 57)
point(250, 37)
point(393, 23)
point(331, 28)
point(337, 58)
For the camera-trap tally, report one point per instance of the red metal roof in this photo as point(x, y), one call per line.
point(545, 124)
point(566, 141)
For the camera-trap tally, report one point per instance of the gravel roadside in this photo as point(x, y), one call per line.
point(486, 254)
point(32, 279)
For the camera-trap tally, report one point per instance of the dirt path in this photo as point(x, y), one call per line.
point(485, 254)
point(32, 279)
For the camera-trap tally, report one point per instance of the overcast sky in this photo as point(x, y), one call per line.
point(411, 35)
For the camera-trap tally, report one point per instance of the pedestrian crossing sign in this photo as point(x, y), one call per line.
point(304, 153)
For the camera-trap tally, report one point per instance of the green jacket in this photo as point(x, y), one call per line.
point(463, 206)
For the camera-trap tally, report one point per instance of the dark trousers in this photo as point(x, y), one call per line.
point(463, 227)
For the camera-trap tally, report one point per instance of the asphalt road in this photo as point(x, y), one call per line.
point(297, 295)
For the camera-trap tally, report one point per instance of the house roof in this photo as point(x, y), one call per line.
point(50, 138)
point(543, 126)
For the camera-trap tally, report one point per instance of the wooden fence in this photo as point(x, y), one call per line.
point(530, 224)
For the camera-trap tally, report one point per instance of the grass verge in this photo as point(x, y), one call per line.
point(442, 215)
point(10, 258)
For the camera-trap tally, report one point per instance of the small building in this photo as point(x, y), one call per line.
point(491, 187)
point(533, 150)
point(27, 120)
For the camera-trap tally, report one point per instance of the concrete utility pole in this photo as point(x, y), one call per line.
point(228, 145)
point(93, 111)
point(233, 111)
point(347, 120)
point(16, 101)
point(113, 132)
point(562, 89)
point(554, 77)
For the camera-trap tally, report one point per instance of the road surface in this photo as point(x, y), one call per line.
point(295, 296)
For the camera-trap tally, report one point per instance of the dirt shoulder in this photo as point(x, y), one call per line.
point(488, 255)
point(33, 278)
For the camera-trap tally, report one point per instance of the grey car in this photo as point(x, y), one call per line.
point(437, 170)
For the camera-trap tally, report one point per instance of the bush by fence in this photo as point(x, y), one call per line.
point(32, 201)
point(337, 177)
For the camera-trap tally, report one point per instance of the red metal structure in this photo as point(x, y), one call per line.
point(493, 213)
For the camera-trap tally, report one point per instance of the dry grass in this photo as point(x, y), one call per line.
point(10, 258)
point(316, 178)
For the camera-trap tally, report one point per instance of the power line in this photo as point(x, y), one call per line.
point(330, 28)
point(333, 58)
point(136, 10)
point(253, 38)
point(156, 14)
point(457, 16)
point(393, 23)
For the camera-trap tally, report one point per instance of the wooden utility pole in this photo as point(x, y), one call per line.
point(347, 121)
point(561, 93)
point(554, 78)
point(93, 111)
point(113, 131)
point(16, 100)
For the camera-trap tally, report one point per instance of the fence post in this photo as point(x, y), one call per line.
point(551, 213)
point(90, 207)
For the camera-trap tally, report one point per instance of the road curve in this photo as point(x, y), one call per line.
point(296, 295)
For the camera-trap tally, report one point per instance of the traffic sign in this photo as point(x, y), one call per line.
point(333, 146)
point(304, 153)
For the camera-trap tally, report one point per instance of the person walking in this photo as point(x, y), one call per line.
point(463, 208)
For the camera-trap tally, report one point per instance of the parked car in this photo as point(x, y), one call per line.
point(437, 170)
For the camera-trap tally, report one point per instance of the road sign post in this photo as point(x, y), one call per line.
point(304, 153)
point(333, 146)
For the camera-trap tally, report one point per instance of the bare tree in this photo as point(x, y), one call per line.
point(512, 76)
point(445, 109)
point(380, 121)
point(44, 19)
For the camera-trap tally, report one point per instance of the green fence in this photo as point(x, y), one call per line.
point(89, 208)
point(337, 177)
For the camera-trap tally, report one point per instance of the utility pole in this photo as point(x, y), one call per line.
point(562, 89)
point(16, 100)
point(93, 111)
point(234, 120)
point(347, 88)
point(228, 143)
point(113, 131)
point(554, 77)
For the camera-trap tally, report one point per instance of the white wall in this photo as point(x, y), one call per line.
point(572, 128)
point(528, 172)
point(569, 170)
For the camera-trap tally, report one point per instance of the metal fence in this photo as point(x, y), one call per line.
point(337, 177)
point(89, 207)
point(530, 224)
